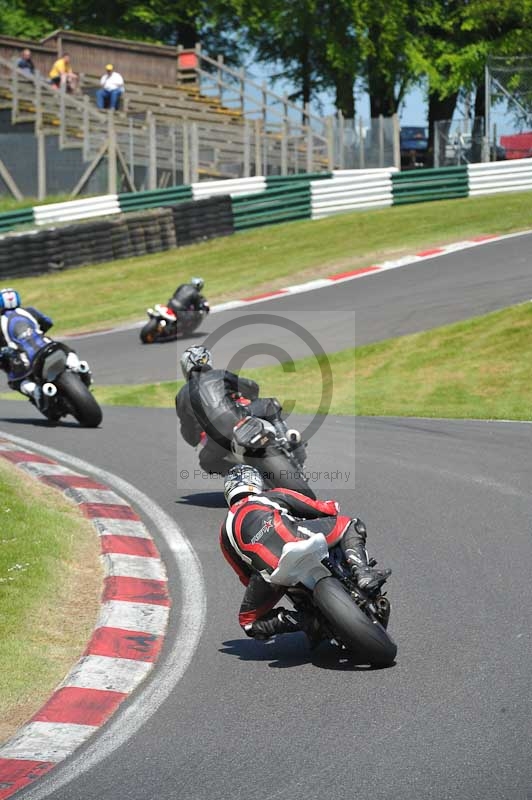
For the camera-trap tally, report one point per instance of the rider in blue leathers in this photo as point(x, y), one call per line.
point(21, 338)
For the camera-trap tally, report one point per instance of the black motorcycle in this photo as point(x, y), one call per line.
point(165, 324)
point(319, 581)
point(65, 386)
point(277, 452)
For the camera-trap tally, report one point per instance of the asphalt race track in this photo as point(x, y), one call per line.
point(387, 304)
point(447, 506)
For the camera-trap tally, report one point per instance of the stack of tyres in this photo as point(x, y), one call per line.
point(120, 239)
point(204, 219)
point(75, 245)
point(167, 229)
point(98, 236)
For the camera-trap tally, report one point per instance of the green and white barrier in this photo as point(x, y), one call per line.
point(500, 176)
point(87, 208)
point(349, 190)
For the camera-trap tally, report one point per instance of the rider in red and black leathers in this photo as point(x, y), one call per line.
point(252, 538)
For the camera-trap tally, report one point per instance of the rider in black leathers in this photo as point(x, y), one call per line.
point(259, 523)
point(212, 402)
point(187, 299)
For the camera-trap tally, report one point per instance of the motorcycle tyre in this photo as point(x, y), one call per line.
point(148, 333)
point(276, 463)
point(84, 405)
point(366, 640)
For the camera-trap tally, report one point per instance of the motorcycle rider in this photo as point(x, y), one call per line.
point(212, 401)
point(259, 523)
point(187, 299)
point(21, 338)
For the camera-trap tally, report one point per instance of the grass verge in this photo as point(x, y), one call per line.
point(479, 369)
point(50, 583)
point(249, 263)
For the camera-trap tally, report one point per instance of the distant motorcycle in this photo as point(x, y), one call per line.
point(319, 581)
point(164, 324)
point(65, 385)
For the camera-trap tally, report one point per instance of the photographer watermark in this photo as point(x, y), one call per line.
point(241, 356)
point(328, 476)
point(244, 424)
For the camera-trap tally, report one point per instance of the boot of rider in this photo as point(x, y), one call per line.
point(31, 390)
point(368, 578)
point(282, 620)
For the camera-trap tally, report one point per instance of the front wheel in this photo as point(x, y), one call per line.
point(278, 471)
point(148, 333)
point(365, 639)
point(81, 402)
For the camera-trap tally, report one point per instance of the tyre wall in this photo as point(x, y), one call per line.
point(137, 233)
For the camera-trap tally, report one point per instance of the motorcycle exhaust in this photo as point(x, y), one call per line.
point(83, 367)
point(49, 389)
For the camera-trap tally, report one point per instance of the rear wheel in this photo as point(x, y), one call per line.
point(148, 333)
point(82, 404)
point(278, 471)
point(365, 639)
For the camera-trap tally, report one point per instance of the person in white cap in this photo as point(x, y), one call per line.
point(111, 89)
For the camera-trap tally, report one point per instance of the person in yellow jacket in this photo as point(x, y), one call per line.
point(62, 74)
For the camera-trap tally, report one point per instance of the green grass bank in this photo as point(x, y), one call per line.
point(480, 368)
point(50, 584)
point(103, 295)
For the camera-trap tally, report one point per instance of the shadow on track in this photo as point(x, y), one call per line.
point(292, 650)
point(41, 423)
point(204, 500)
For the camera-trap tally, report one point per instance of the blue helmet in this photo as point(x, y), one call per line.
point(9, 298)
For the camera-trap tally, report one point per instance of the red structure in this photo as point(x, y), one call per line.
point(518, 145)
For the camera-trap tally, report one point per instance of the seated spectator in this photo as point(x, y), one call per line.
point(25, 63)
point(111, 89)
point(62, 75)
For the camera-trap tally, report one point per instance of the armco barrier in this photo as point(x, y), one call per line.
point(500, 176)
point(350, 191)
point(154, 198)
point(9, 220)
point(418, 186)
point(279, 180)
point(232, 186)
point(101, 206)
point(280, 204)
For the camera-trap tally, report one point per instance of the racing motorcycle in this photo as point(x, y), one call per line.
point(165, 324)
point(274, 450)
point(65, 386)
point(319, 581)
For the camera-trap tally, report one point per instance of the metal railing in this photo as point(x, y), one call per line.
point(118, 152)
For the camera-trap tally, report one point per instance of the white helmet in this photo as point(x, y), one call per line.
point(242, 480)
point(197, 283)
point(195, 357)
point(9, 299)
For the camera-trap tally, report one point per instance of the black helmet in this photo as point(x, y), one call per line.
point(242, 480)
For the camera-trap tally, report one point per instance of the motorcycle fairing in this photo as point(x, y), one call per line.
point(300, 562)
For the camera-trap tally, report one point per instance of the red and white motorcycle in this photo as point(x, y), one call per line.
point(164, 323)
